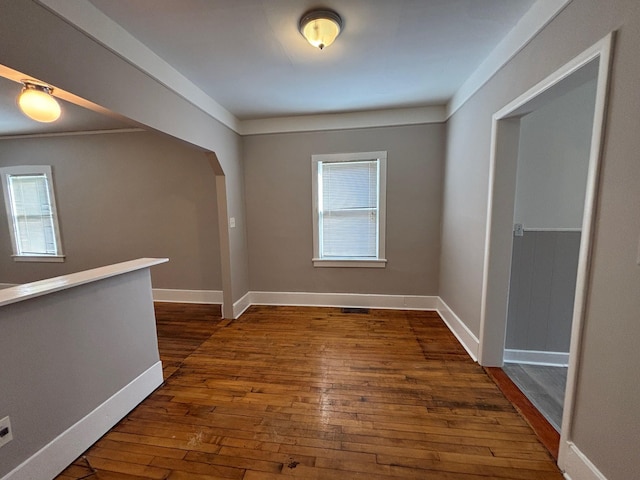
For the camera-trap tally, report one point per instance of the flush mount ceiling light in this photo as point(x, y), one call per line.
point(320, 27)
point(36, 102)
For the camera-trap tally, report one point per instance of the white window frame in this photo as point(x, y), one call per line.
point(45, 170)
point(380, 261)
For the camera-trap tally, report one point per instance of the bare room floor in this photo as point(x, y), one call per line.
point(316, 393)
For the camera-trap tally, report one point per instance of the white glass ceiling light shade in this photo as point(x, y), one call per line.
point(36, 102)
point(320, 27)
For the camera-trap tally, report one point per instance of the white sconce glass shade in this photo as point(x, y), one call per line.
point(36, 102)
point(321, 27)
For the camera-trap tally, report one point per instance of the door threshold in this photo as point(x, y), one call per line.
point(545, 432)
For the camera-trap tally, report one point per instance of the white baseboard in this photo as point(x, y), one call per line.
point(577, 466)
point(302, 299)
point(536, 357)
point(465, 336)
point(241, 305)
point(305, 299)
point(54, 457)
point(187, 296)
point(7, 285)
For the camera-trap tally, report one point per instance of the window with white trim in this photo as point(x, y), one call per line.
point(349, 205)
point(31, 212)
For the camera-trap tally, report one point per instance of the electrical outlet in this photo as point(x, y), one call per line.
point(6, 434)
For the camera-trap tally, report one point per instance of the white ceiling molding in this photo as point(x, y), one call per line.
point(101, 28)
point(538, 16)
point(71, 134)
point(344, 121)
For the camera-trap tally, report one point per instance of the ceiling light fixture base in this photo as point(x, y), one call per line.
point(37, 102)
point(320, 27)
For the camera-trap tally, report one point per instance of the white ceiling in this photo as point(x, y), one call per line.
point(249, 56)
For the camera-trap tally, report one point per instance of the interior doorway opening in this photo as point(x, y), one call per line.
point(507, 124)
point(551, 181)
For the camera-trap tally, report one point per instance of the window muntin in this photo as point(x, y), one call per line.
point(349, 209)
point(31, 213)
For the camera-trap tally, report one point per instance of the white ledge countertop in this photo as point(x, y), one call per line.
point(55, 284)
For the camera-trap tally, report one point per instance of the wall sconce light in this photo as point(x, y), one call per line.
point(320, 27)
point(36, 102)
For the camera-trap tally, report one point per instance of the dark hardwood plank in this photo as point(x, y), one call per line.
point(316, 393)
point(548, 435)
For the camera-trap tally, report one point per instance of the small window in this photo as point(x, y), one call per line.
point(349, 209)
point(31, 212)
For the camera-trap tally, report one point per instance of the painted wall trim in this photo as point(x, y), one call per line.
point(66, 447)
point(71, 134)
point(465, 336)
point(97, 25)
point(495, 276)
point(579, 467)
point(8, 285)
point(241, 305)
point(344, 121)
point(187, 296)
point(537, 357)
point(361, 300)
point(536, 229)
point(604, 51)
point(538, 16)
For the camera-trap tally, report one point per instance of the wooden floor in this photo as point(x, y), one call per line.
point(314, 393)
point(546, 433)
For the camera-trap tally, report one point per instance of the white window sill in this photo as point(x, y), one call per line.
point(39, 258)
point(351, 262)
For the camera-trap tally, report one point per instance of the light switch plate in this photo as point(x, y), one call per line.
point(232, 222)
point(518, 230)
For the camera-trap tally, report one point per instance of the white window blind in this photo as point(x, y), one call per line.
point(31, 212)
point(349, 200)
point(349, 209)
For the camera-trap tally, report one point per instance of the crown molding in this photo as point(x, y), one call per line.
point(71, 134)
point(532, 22)
point(97, 25)
point(345, 121)
point(89, 19)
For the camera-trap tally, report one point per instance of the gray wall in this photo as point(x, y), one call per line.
point(553, 160)
point(66, 353)
point(124, 196)
point(278, 184)
point(98, 75)
point(542, 290)
point(607, 413)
